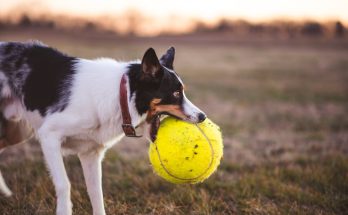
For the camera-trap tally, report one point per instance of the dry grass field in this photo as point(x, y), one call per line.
point(283, 110)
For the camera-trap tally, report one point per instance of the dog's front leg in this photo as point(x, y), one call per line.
point(51, 147)
point(91, 165)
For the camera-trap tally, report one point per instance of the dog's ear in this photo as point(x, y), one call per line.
point(150, 65)
point(168, 58)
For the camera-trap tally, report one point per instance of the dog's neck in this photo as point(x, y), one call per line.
point(135, 116)
point(127, 125)
point(139, 99)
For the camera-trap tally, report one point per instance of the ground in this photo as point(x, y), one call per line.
point(282, 107)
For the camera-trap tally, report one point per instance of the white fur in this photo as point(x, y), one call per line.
point(92, 124)
point(13, 110)
point(5, 91)
point(190, 110)
point(88, 126)
point(3, 187)
point(91, 165)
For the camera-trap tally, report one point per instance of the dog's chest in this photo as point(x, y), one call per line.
point(100, 138)
point(88, 135)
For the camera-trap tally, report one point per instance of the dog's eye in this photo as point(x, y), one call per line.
point(176, 94)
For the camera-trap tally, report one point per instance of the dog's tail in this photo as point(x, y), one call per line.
point(3, 187)
point(12, 133)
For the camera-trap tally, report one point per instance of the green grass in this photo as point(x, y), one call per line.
point(303, 186)
point(282, 108)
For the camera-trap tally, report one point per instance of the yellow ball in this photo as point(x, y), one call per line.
point(185, 152)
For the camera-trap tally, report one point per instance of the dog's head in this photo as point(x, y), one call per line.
point(161, 91)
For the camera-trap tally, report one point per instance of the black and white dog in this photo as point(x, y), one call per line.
point(73, 106)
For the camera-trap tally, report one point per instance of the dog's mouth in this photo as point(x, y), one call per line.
point(156, 121)
point(156, 111)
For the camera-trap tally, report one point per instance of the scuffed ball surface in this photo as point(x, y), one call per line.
point(182, 153)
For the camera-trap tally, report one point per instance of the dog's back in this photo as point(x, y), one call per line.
point(35, 74)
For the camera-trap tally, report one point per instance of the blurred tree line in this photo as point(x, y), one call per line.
point(280, 28)
point(288, 29)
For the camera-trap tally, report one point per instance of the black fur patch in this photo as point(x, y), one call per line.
point(49, 82)
point(147, 89)
point(40, 75)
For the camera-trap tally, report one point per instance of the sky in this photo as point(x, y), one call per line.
point(164, 11)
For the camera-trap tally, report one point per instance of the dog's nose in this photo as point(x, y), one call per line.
point(201, 117)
